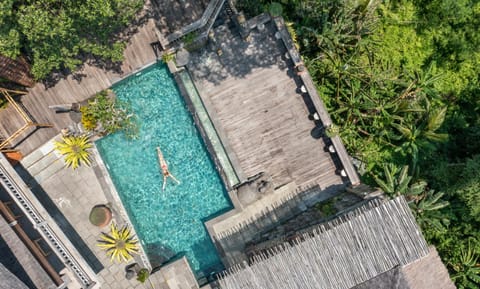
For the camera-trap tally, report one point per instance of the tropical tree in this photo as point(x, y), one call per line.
point(424, 203)
point(57, 35)
point(75, 150)
point(120, 244)
point(420, 134)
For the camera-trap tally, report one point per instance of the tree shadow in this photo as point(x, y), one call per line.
point(230, 56)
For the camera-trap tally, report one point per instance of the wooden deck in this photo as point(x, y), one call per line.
point(253, 98)
point(94, 79)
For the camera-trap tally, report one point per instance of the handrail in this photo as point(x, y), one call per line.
point(44, 228)
point(213, 8)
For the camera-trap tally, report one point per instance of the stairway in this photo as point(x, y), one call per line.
point(43, 162)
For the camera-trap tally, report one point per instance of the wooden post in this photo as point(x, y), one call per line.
point(28, 121)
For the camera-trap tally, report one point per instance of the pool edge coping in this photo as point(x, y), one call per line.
point(109, 188)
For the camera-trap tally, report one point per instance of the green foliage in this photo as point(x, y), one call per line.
point(332, 130)
point(143, 275)
point(105, 115)
point(166, 57)
point(275, 9)
point(398, 77)
point(293, 34)
point(467, 187)
point(327, 208)
point(394, 181)
point(467, 269)
point(58, 35)
point(76, 150)
point(189, 38)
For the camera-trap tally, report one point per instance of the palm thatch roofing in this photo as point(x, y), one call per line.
point(350, 250)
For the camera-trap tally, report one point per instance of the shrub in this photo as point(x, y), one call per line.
point(143, 275)
point(120, 244)
point(105, 115)
point(75, 150)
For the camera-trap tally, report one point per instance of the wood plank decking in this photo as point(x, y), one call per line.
point(252, 95)
point(137, 54)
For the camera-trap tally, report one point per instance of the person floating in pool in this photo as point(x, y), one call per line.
point(163, 165)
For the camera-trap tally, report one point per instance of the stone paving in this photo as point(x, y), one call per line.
point(73, 194)
point(69, 195)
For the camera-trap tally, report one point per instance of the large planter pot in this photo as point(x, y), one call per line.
point(100, 216)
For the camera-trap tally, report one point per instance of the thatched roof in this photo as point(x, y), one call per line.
point(344, 253)
point(428, 272)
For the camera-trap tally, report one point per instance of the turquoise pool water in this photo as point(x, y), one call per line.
point(172, 221)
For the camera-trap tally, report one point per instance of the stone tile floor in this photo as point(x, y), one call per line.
point(69, 195)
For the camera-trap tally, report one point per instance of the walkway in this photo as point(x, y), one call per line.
point(253, 98)
point(265, 121)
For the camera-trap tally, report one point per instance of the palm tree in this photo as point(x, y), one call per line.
point(75, 149)
point(416, 136)
point(119, 244)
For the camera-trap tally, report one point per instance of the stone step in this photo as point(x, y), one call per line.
point(38, 154)
point(43, 162)
point(49, 171)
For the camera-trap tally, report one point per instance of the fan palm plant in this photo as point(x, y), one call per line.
point(75, 149)
point(120, 244)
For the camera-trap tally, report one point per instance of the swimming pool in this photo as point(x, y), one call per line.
point(168, 222)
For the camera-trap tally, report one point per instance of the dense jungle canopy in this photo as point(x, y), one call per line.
point(59, 35)
point(401, 81)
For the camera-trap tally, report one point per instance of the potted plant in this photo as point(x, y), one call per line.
point(120, 243)
point(100, 216)
point(142, 275)
point(75, 150)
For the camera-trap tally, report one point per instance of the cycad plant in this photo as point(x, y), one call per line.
point(75, 150)
point(467, 268)
point(120, 244)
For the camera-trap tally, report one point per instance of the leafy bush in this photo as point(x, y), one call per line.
point(275, 9)
point(166, 57)
point(105, 115)
point(59, 35)
point(143, 275)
